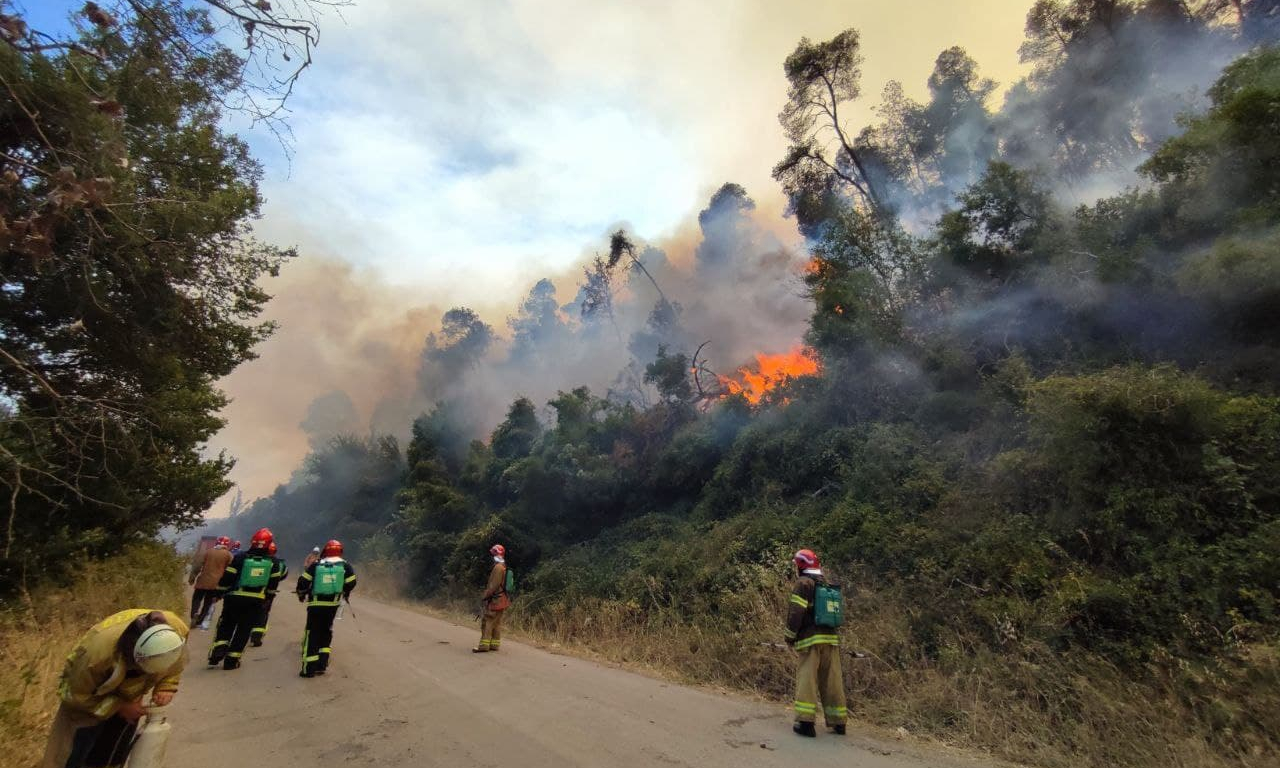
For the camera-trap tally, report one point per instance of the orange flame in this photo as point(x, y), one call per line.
point(770, 372)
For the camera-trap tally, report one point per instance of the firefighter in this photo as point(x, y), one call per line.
point(205, 575)
point(107, 675)
point(323, 585)
point(818, 674)
point(311, 557)
point(495, 601)
point(245, 585)
point(259, 630)
point(235, 547)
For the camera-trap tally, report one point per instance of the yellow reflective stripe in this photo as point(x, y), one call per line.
point(310, 658)
point(841, 711)
point(234, 655)
point(800, 601)
point(806, 708)
point(307, 576)
point(229, 569)
point(350, 579)
point(788, 633)
point(325, 650)
point(809, 642)
point(221, 642)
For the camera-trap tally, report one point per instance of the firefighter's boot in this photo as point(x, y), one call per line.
point(805, 729)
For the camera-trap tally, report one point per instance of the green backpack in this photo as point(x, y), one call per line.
point(828, 605)
point(255, 572)
point(329, 579)
point(509, 586)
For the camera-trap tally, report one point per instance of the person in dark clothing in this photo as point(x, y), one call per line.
point(245, 585)
point(259, 630)
point(323, 586)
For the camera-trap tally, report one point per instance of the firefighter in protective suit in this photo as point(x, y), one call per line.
point(245, 585)
point(818, 674)
point(259, 630)
point(495, 602)
point(324, 585)
point(107, 675)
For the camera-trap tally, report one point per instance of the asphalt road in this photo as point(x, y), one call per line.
point(404, 689)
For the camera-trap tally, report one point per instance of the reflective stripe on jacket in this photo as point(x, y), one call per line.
point(230, 582)
point(800, 627)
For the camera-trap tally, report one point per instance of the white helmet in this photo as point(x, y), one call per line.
point(157, 649)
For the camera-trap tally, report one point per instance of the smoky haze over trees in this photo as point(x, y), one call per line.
point(1036, 424)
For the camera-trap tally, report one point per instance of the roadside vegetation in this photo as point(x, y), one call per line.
point(39, 628)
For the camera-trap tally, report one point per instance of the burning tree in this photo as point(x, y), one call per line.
point(769, 372)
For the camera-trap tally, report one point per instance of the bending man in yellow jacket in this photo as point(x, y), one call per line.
point(117, 663)
point(496, 601)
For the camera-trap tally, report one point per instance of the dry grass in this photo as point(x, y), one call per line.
point(1026, 704)
point(38, 630)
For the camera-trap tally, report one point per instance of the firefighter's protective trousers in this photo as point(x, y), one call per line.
point(239, 615)
point(317, 639)
point(93, 743)
point(819, 680)
point(259, 630)
point(491, 630)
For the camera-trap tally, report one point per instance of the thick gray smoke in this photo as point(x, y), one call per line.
point(734, 285)
point(1105, 89)
point(1102, 93)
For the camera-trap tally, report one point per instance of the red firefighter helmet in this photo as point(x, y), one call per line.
point(805, 560)
point(497, 550)
point(223, 541)
point(262, 539)
point(235, 544)
point(332, 548)
point(271, 549)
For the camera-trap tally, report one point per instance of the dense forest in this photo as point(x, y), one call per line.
point(1039, 428)
point(1034, 425)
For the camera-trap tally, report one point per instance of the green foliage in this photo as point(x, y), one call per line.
point(997, 224)
point(1227, 162)
point(131, 283)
